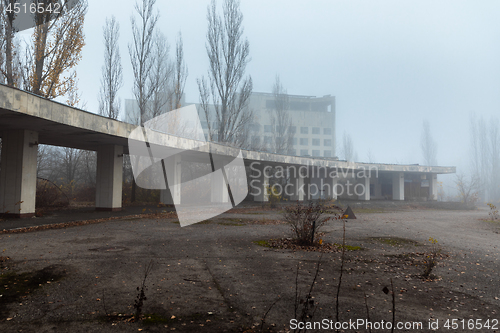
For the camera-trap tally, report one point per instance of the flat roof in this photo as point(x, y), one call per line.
point(61, 125)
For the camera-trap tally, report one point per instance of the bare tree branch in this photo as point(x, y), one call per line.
point(348, 148)
point(141, 54)
point(281, 121)
point(428, 145)
point(228, 89)
point(180, 75)
point(112, 71)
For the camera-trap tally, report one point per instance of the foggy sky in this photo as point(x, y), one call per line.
point(390, 64)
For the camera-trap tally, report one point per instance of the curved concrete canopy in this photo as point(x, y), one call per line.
point(61, 125)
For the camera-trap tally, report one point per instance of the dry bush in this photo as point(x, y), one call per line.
point(141, 195)
point(306, 220)
point(49, 194)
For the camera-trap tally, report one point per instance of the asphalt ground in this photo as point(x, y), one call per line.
point(212, 277)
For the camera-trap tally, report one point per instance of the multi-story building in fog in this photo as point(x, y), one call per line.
point(312, 118)
point(312, 123)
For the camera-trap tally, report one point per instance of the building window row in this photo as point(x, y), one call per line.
point(315, 153)
point(293, 129)
point(315, 142)
point(316, 130)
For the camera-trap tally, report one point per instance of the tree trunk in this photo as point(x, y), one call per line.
point(132, 195)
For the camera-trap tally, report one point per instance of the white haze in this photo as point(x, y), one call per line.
point(390, 64)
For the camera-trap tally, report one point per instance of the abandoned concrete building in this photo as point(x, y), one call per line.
point(28, 120)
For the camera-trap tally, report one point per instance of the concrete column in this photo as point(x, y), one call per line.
point(109, 178)
point(219, 188)
point(166, 197)
point(433, 187)
point(258, 183)
point(377, 189)
point(297, 185)
point(329, 186)
point(362, 188)
point(398, 186)
point(333, 193)
point(18, 173)
point(316, 188)
point(172, 195)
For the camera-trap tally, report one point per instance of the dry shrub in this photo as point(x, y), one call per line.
point(306, 220)
point(49, 195)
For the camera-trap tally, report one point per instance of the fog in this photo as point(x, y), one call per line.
point(390, 64)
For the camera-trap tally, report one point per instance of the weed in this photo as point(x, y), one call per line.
point(274, 196)
point(348, 247)
point(431, 258)
point(493, 212)
point(141, 296)
point(263, 243)
point(342, 259)
point(395, 241)
point(305, 306)
point(154, 318)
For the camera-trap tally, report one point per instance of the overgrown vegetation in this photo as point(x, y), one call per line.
point(141, 296)
point(273, 196)
point(468, 189)
point(306, 220)
point(431, 258)
point(263, 243)
point(305, 307)
point(493, 213)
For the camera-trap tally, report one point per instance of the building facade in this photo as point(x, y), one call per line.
point(312, 119)
point(312, 123)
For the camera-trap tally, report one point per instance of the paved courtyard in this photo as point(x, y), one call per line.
point(213, 277)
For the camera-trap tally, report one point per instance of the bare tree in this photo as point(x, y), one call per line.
point(10, 50)
point(467, 189)
point(141, 52)
point(281, 121)
point(428, 145)
point(370, 156)
point(180, 75)
point(227, 88)
point(494, 183)
point(348, 148)
point(6, 41)
point(485, 156)
point(112, 76)
point(45, 162)
point(160, 78)
point(3, 38)
point(88, 165)
point(69, 159)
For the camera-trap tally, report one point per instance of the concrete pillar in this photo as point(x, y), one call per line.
point(377, 187)
point(259, 182)
point(219, 191)
point(433, 187)
point(18, 173)
point(166, 197)
point(316, 188)
point(109, 178)
point(329, 186)
point(172, 195)
point(297, 185)
point(362, 188)
point(398, 186)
